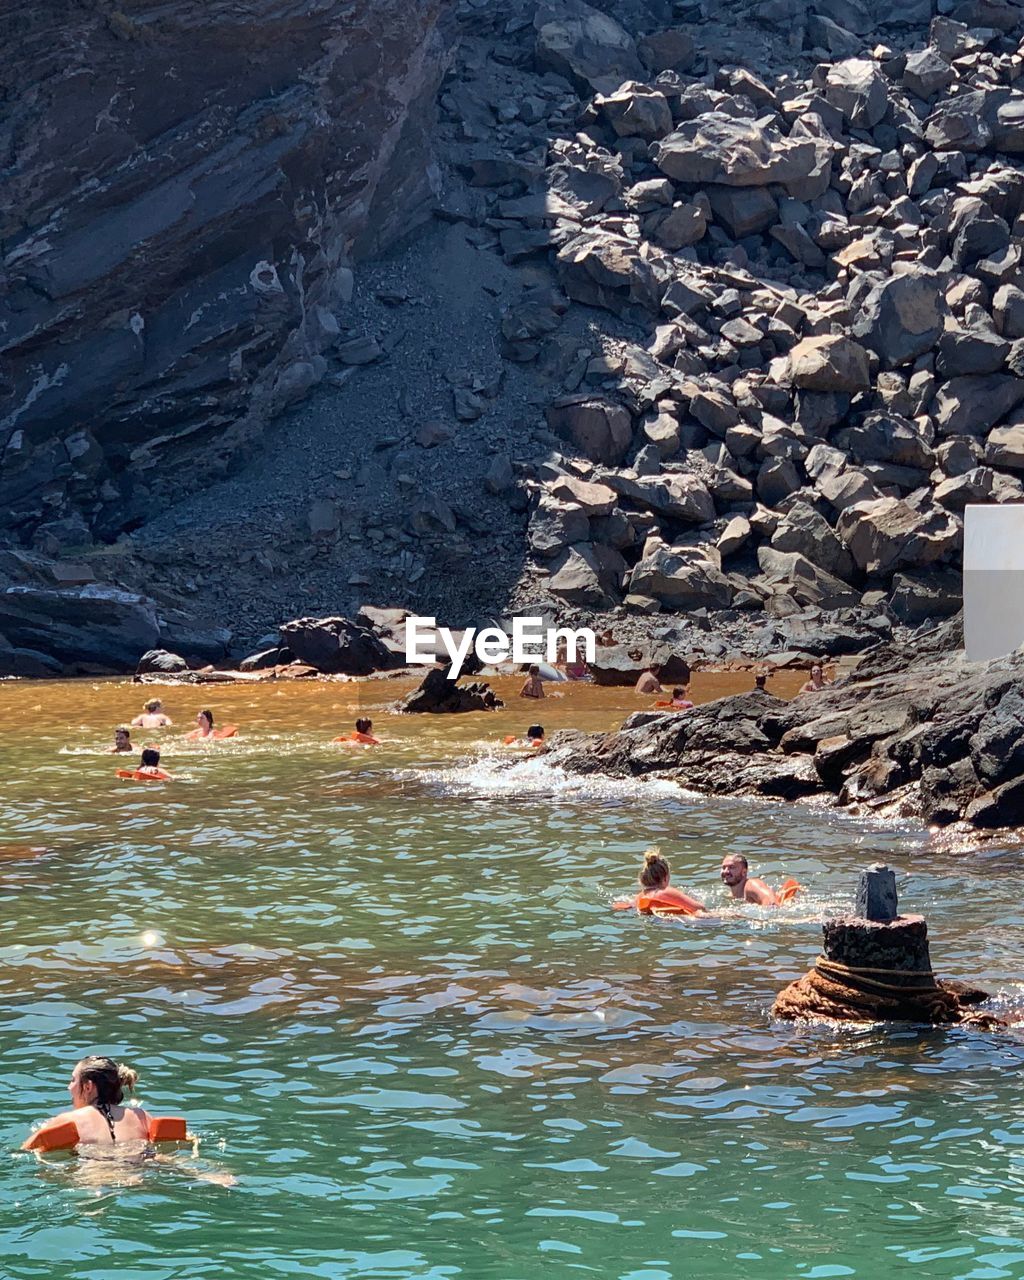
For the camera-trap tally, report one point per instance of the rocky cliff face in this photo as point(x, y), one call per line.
point(185, 186)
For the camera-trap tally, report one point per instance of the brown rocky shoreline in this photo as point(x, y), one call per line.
point(914, 733)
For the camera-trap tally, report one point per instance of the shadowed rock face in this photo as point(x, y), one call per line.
point(184, 185)
point(917, 732)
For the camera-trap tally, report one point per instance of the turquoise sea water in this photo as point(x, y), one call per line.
point(387, 990)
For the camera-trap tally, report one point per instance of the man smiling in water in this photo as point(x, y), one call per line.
point(742, 885)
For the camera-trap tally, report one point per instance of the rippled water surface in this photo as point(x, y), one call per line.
point(386, 988)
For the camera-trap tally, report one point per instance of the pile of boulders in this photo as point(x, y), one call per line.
point(813, 348)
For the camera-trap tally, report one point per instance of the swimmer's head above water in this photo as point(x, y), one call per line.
point(150, 758)
point(654, 874)
point(204, 720)
point(100, 1082)
point(535, 733)
point(735, 869)
point(364, 725)
point(153, 706)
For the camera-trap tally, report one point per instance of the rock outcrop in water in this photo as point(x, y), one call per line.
point(437, 695)
point(917, 732)
point(186, 185)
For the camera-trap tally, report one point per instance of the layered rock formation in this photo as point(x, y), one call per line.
point(185, 187)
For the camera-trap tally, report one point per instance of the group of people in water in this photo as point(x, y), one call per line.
point(658, 896)
point(153, 716)
point(99, 1116)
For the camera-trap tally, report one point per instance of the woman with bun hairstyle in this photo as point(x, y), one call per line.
point(657, 896)
point(98, 1113)
point(99, 1116)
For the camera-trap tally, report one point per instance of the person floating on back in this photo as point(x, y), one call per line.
point(122, 741)
point(363, 733)
point(153, 716)
point(657, 896)
point(204, 729)
point(149, 770)
point(533, 686)
point(747, 888)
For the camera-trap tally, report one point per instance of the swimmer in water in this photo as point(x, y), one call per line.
point(649, 682)
point(533, 686)
point(363, 733)
point(150, 765)
point(122, 740)
point(817, 682)
point(97, 1091)
point(747, 888)
point(100, 1122)
point(152, 716)
point(534, 739)
point(204, 725)
point(680, 701)
point(656, 895)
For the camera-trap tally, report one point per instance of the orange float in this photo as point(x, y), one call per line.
point(788, 891)
point(662, 902)
point(58, 1137)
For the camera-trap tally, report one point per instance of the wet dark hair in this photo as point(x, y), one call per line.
point(110, 1078)
point(678, 693)
point(534, 670)
point(535, 731)
point(760, 682)
point(150, 756)
point(738, 857)
point(364, 725)
point(209, 716)
point(154, 704)
point(654, 873)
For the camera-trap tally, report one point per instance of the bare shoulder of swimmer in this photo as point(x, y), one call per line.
point(758, 892)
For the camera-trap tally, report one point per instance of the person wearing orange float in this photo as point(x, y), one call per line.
point(99, 1116)
point(149, 770)
point(363, 734)
point(657, 896)
point(534, 739)
point(679, 701)
point(747, 888)
point(204, 730)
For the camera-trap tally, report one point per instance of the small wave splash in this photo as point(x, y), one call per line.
point(490, 775)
